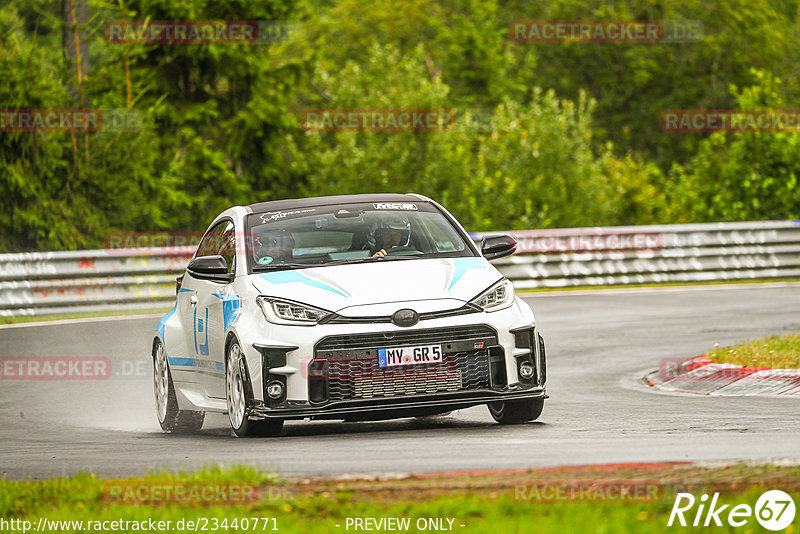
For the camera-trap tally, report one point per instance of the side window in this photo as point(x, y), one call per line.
point(227, 247)
point(219, 240)
point(211, 242)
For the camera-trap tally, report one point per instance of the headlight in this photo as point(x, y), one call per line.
point(497, 297)
point(287, 312)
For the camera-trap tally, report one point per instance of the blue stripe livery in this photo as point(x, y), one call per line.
point(230, 309)
point(290, 277)
point(463, 265)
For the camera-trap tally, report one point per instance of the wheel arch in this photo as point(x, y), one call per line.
point(230, 337)
point(156, 340)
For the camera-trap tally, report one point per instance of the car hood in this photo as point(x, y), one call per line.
point(380, 288)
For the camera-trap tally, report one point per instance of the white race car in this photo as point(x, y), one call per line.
point(359, 307)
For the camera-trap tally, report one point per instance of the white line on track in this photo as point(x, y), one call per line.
point(664, 289)
point(84, 320)
point(523, 294)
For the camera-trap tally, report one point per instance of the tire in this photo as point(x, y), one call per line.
point(239, 396)
point(515, 412)
point(169, 416)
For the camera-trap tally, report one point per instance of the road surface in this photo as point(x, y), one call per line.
point(598, 343)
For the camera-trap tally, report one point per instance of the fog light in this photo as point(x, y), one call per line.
point(275, 390)
point(526, 370)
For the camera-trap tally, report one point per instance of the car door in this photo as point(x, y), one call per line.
point(203, 309)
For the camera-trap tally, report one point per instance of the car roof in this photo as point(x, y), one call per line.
point(293, 203)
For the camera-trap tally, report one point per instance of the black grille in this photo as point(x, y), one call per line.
point(353, 371)
point(400, 338)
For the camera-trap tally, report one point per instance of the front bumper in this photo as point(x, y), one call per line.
point(389, 406)
point(290, 353)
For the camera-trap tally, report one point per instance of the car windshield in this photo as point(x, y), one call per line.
point(351, 233)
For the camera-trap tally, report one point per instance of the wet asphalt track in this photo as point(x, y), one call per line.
point(598, 343)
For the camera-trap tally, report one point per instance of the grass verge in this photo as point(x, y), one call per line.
point(488, 502)
point(776, 352)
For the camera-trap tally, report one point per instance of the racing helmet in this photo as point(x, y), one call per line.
point(390, 221)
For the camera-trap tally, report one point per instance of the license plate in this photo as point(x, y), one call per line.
point(410, 355)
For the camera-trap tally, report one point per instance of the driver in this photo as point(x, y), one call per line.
point(391, 231)
point(275, 246)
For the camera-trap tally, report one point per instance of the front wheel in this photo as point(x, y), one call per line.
point(169, 416)
point(239, 394)
point(515, 412)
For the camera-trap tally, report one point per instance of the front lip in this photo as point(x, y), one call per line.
point(454, 400)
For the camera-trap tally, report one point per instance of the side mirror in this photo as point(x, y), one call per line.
point(210, 268)
point(497, 246)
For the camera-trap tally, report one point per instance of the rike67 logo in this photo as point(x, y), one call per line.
point(774, 510)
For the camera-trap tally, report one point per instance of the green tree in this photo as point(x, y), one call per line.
point(742, 176)
point(514, 166)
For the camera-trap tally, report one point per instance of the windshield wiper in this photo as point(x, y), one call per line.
point(284, 266)
point(404, 257)
point(370, 259)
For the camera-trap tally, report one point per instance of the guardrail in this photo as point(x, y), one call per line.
point(652, 254)
point(40, 283)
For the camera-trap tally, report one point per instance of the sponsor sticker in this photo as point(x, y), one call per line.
point(395, 206)
point(279, 215)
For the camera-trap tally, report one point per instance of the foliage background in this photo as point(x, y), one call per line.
point(548, 135)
